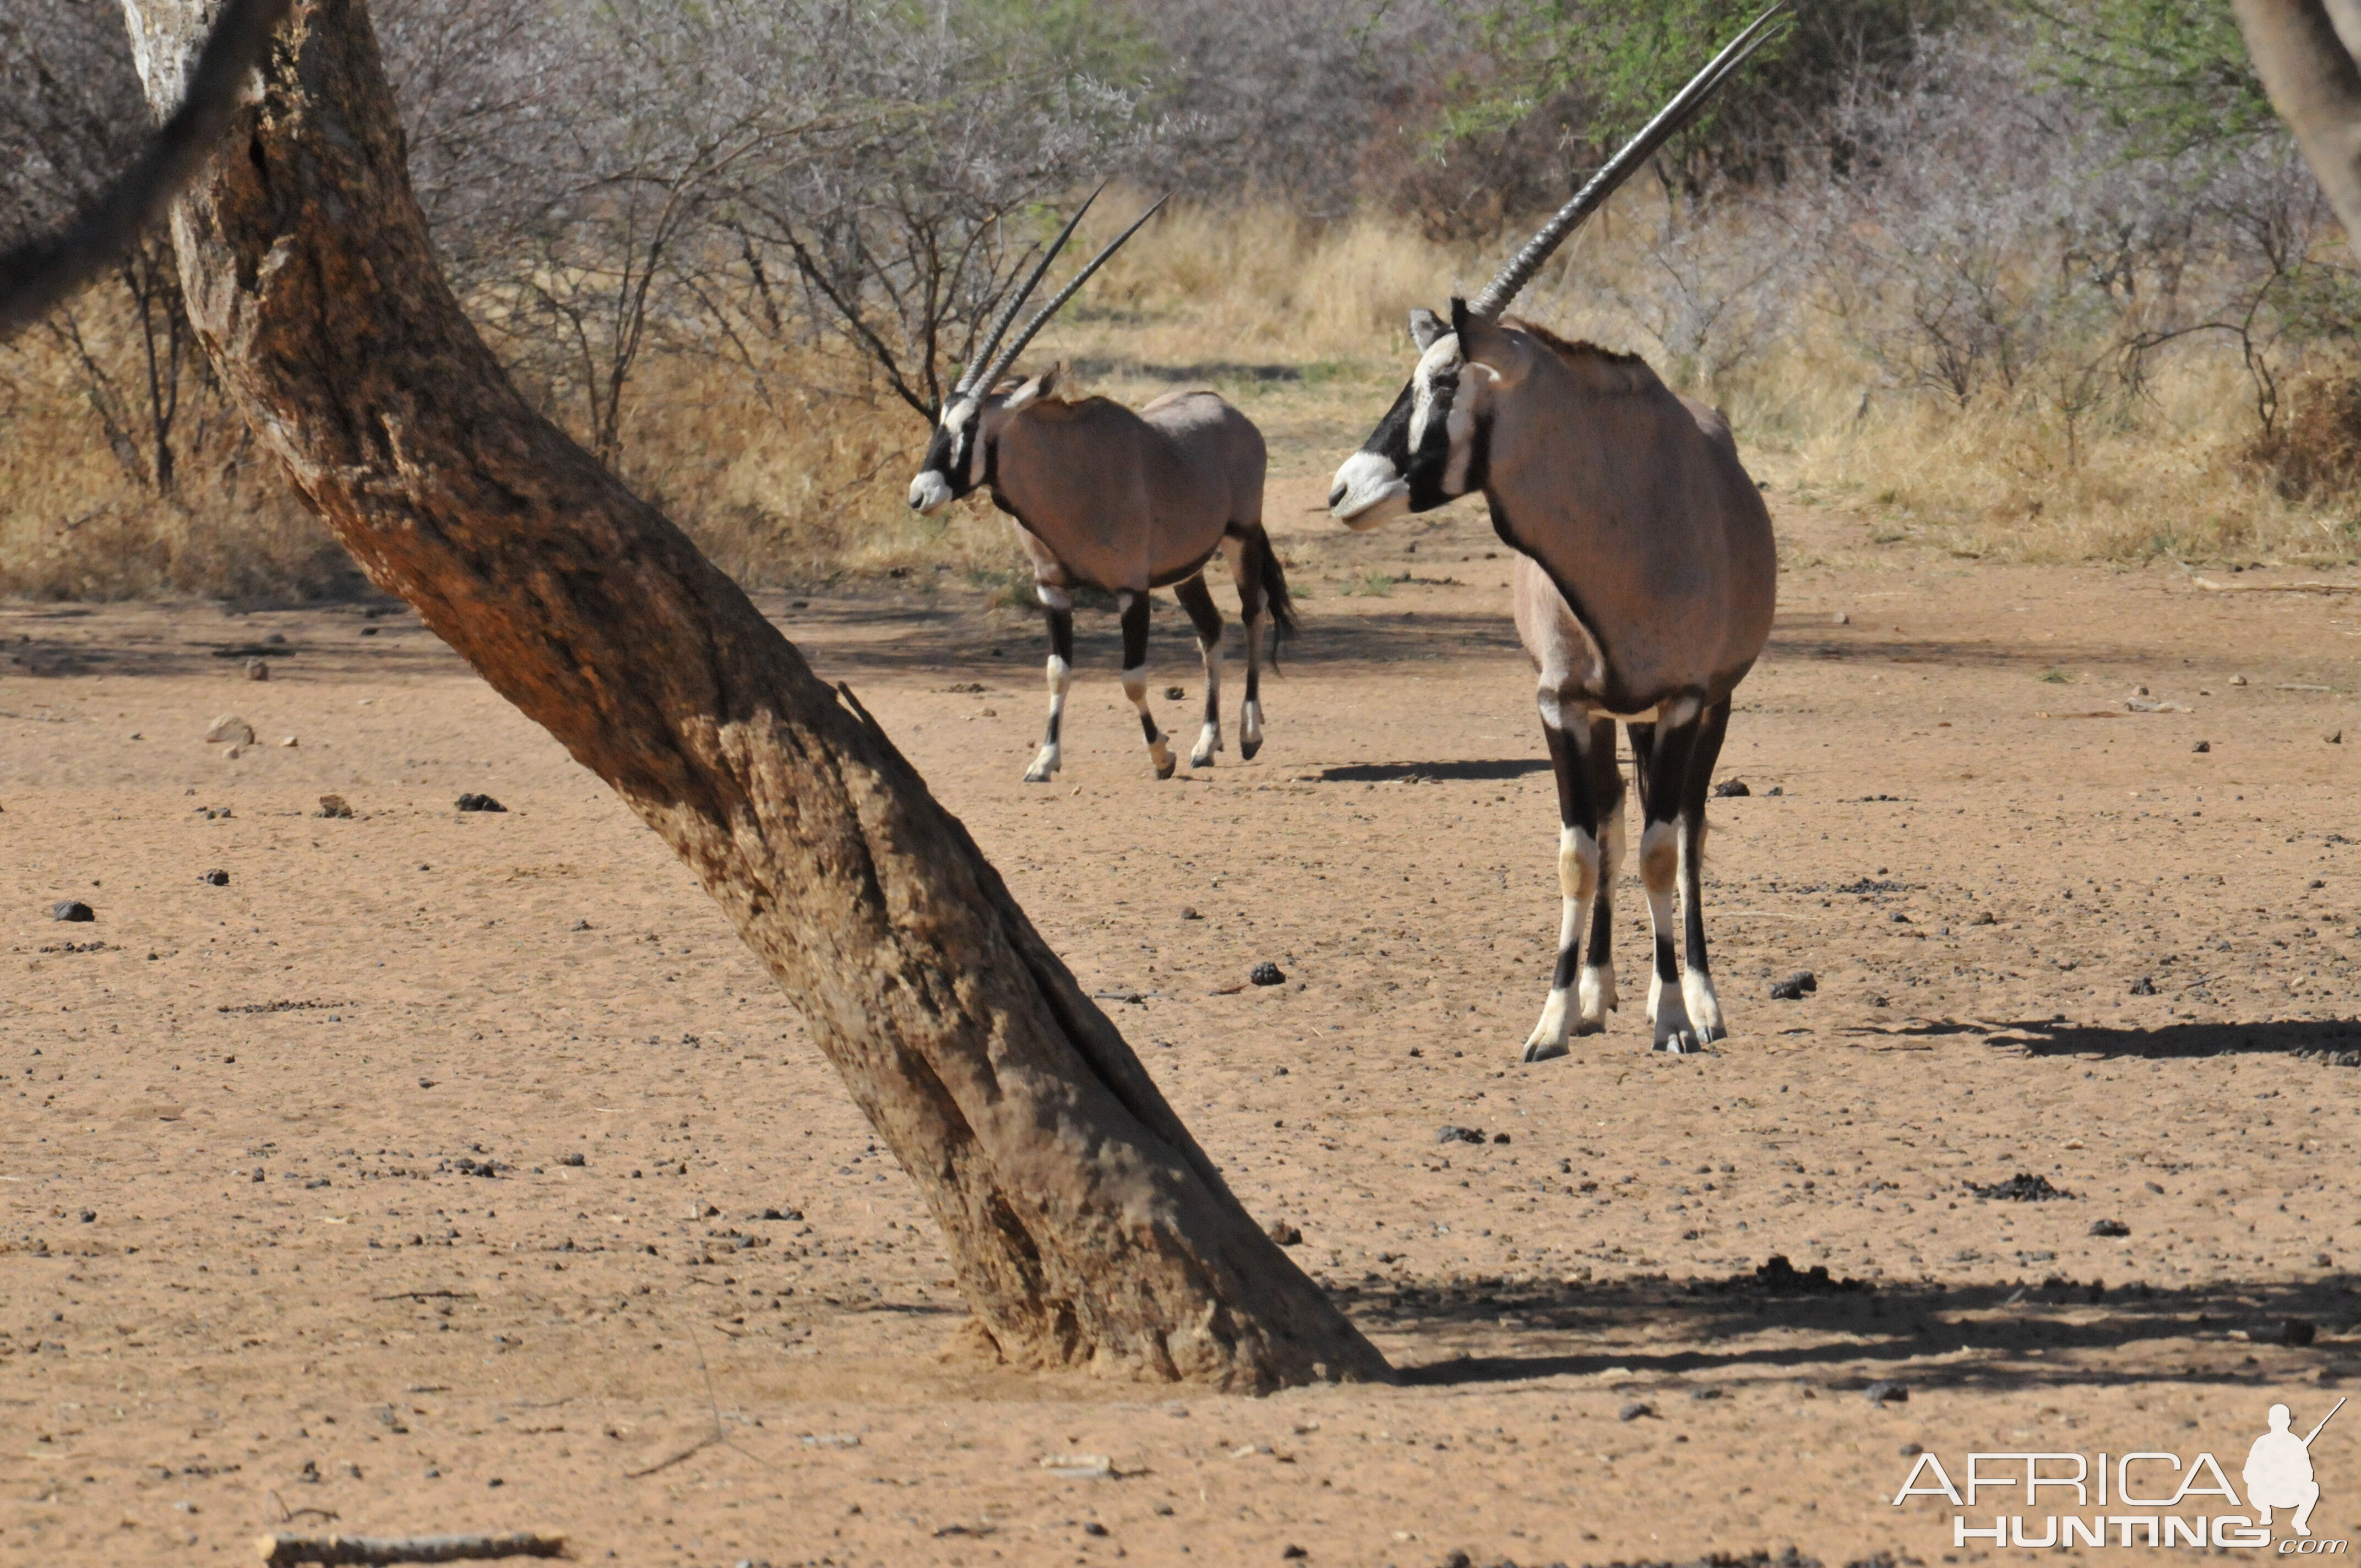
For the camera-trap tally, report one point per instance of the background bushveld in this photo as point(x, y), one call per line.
point(2030, 278)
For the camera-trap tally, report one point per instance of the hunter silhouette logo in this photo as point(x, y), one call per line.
point(2148, 1499)
point(2278, 1471)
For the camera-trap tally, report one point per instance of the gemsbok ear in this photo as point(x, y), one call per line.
point(1425, 326)
point(1033, 390)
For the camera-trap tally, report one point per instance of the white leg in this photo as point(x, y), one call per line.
point(1045, 765)
point(1209, 739)
point(1577, 881)
point(1659, 867)
point(1250, 711)
point(1134, 605)
point(1159, 745)
point(1697, 981)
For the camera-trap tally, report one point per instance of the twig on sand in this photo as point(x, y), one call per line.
point(2312, 586)
point(720, 1434)
point(334, 1549)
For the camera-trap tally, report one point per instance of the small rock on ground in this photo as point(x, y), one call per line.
point(335, 806)
point(71, 909)
point(229, 727)
point(2022, 1188)
point(1283, 1233)
point(478, 803)
point(1267, 974)
point(256, 670)
point(216, 878)
point(1796, 987)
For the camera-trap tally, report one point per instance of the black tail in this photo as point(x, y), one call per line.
point(1273, 578)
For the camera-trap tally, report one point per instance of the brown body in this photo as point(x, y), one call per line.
point(1649, 571)
point(1120, 500)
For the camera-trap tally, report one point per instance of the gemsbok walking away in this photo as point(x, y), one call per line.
point(1645, 580)
point(1117, 501)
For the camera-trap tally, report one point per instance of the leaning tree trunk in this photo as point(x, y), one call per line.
point(1086, 1225)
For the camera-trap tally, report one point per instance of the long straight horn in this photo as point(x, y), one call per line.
point(1041, 317)
point(1017, 297)
point(1637, 152)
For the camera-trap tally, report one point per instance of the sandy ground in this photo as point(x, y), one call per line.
point(245, 1271)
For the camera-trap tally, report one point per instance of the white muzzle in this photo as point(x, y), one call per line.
point(929, 492)
point(1368, 491)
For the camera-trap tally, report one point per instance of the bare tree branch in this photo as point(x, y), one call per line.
point(41, 273)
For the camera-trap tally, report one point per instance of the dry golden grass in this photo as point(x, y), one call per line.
point(1303, 324)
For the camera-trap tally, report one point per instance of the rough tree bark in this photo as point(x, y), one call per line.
point(2305, 51)
point(1085, 1225)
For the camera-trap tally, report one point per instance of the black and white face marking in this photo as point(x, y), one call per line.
point(951, 469)
point(1422, 454)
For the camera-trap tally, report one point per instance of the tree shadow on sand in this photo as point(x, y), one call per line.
point(2332, 1042)
point(1846, 1334)
point(1492, 770)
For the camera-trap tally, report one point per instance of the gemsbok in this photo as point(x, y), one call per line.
point(1645, 583)
point(1117, 501)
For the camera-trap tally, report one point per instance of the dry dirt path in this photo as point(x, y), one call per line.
point(251, 1261)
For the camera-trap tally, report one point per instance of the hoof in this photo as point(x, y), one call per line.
point(1164, 769)
point(1206, 761)
point(1039, 775)
point(1681, 1043)
point(1590, 1026)
point(1543, 1051)
point(1246, 748)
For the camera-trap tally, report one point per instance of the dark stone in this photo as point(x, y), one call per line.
point(1886, 1391)
point(1267, 974)
point(478, 803)
point(1174, 693)
point(776, 1213)
point(1731, 789)
point(1634, 1410)
point(1780, 1277)
point(335, 806)
point(574, 1158)
point(1796, 987)
point(2295, 1330)
point(1283, 1233)
point(2019, 1188)
point(1458, 1134)
point(2202, 746)
point(2110, 1228)
point(2144, 986)
point(71, 909)
point(214, 879)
